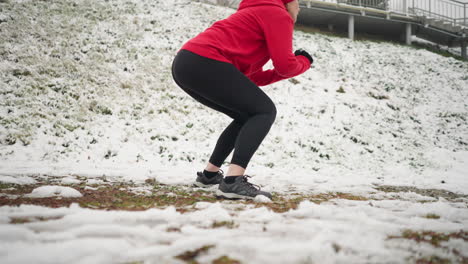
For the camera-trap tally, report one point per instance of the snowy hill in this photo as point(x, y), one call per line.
point(86, 89)
point(364, 151)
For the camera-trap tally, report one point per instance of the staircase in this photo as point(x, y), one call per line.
point(448, 15)
point(444, 22)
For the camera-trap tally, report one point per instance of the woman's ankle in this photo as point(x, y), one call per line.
point(211, 168)
point(235, 170)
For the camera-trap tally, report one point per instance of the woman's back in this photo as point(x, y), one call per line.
point(260, 30)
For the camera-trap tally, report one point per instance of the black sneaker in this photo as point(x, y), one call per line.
point(203, 181)
point(240, 189)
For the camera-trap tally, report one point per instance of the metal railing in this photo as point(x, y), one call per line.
point(378, 4)
point(450, 11)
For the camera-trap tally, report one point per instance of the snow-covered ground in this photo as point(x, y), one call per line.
point(86, 90)
point(340, 232)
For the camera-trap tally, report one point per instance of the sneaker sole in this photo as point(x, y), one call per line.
point(220, 193)
point(199, 184)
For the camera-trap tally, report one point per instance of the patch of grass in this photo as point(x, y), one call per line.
point(436, 49)
point(71, 127)
point(24, 220)
point(336, 247)
point(433, 260)
point(435, 193)
point(432, 216)
point(16, 221)
point(358, 141)
point(227, 224)
point(99, 109)
point(431, 237)
point(461, 116)
point(21, 72)
point(116, 196)
point(15, 189)
point(7, 185)
point(150, 181)
point(24, 137)
point(340, 90)
point(435, 239)
point(126, 196)
point(190, 255)
point(281, 204)
point(378, 97)
point(294, 81)
point(173, 229)
point(110, 198)
point(225, 260)
point(347, 196)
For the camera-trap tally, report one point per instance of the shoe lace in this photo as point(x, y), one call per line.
point(245, 181)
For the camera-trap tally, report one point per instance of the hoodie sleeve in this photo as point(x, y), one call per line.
point(267, 77)
point(278, 31)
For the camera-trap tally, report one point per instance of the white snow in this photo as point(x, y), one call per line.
point(86, 90)
point(336, 232)
point(262, 199)
point(17, 179)
point(51, 191)
point(70, 180)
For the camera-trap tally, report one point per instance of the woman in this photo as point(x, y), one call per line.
point(222, 69)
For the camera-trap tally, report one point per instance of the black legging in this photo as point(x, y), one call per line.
point(222, 87)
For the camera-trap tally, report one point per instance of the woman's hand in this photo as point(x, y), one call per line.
point(305, 54)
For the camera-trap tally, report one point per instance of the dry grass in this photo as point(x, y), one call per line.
point(435, 239)
point(120, 196)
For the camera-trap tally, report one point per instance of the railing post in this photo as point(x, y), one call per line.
point(430, 6)
point(463, 49)
point(464, 15)
point(408, 34)
point(405, 6)
point(351, 27)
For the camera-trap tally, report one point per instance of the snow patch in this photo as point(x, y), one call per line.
point(52, 191)
point(21, 180)
point(262, 199)
point(69, 180)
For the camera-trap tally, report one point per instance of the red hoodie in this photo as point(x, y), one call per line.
point(260, 30)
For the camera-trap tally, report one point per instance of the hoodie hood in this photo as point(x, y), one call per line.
point(251, 3)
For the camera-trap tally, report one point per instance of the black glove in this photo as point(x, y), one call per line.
point(305, 54)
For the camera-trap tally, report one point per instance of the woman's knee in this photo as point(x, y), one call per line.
point(268, 112)
point(267, 108)
point(271, 111)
